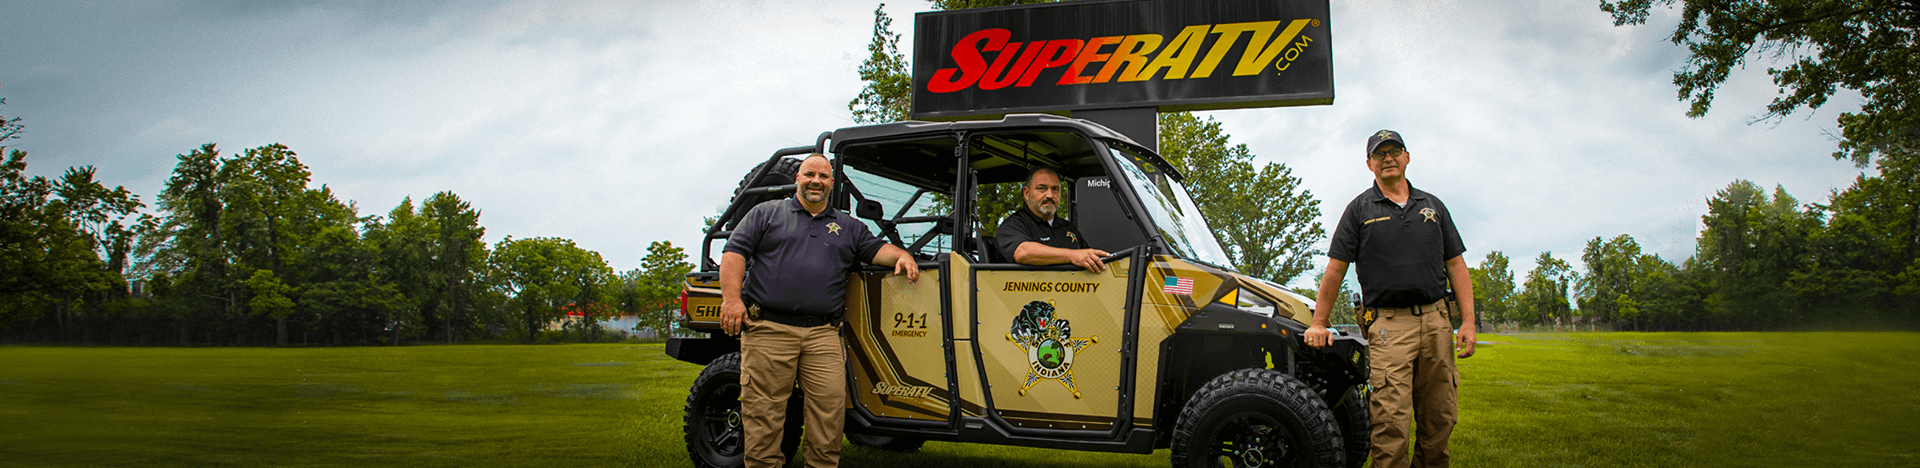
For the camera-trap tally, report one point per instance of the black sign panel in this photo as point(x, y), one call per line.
point(1173, 55)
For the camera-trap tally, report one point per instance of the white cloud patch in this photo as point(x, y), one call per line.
point(619, 123)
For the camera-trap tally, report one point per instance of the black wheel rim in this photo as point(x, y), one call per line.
point(720, 421)
point(1251, 440)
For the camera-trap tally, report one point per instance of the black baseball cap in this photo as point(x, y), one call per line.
point(1383, 136)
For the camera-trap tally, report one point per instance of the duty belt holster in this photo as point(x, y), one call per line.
point(1363, 314)
point(1452, 306)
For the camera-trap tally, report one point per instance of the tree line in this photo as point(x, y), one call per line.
point(1762, 262)
point(242, 249)
point(1765, 262)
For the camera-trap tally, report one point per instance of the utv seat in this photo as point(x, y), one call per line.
point(990, 251)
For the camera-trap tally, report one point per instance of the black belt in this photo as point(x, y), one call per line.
point(798, 320)
point(1422, 309)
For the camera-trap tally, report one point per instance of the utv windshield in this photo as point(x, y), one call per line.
point(1171, 209)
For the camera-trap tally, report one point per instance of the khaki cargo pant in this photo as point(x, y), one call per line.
point(1413, 377)
point(772, 355)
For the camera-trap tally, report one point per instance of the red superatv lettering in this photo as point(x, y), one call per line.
point(1137, 57)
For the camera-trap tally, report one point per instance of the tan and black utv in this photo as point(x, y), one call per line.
point(1168, 348)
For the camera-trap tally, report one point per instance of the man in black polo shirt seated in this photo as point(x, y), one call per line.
point(1037, 235)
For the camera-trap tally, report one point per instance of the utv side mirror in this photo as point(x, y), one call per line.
point(870, 209)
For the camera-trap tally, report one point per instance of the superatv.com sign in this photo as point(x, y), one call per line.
point(1168, 54)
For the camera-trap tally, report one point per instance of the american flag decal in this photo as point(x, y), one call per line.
point(1178, 285)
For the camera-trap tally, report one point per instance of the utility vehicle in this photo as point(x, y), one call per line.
point(1170, 347)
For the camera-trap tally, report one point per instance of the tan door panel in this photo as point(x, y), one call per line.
point(897, 338)
point(1050, 346)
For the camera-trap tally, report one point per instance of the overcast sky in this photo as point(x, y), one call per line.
point(617, 123)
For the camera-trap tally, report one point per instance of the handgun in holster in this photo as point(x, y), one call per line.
point(1453, 306)
point(1363, 314)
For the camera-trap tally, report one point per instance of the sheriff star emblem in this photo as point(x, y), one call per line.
point(835, 227)
point(1049, 345)
point(1427, 212)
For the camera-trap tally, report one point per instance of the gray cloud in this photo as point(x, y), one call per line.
point(1541, 124)
point(616, 123)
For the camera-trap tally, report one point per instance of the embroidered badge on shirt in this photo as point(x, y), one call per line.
point(1071, 237)
point(1428, 212)
point(835, 227)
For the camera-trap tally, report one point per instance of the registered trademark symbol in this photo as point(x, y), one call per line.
point(1316, 23)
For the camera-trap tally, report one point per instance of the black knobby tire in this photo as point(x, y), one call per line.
point(889, 443)
point(712, 424)
point(1256, 418)
point(1355, 433)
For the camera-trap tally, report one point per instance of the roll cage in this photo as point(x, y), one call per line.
point(932, 173)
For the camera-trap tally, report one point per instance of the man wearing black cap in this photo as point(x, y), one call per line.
point(787, 263)
point(1407, 252)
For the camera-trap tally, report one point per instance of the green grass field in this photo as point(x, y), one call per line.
point(1533, 400)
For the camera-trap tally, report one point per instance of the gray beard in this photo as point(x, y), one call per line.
point(806, 195)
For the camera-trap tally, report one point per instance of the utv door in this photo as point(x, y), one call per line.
point(1053, 346)
point(897, 334)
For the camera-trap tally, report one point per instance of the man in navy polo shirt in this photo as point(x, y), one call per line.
point(1407, 251)
point(783, 284)
point(1037, 236)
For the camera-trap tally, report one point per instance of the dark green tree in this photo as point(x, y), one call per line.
point(888, 95)
point(656, 286)
point(47, 262)
point(1750, 245)
point(268, 296)
point(429, 253)
point(63, 243)
point(1606, 292)
point(459, 252)
point(270, 214)
point(344, 294)
point(1862, 266)
point(223, 219)
point(1544, 301)
point(404, 240)
point(1670, 297)
point(188, 246)
point(1869, 46)
point(544, 278)
point(1493, 289)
